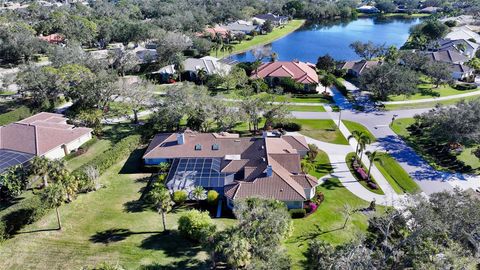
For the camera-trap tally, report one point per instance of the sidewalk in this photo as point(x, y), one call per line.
point(425, 100)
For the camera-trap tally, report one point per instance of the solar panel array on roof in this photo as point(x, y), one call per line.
point(186, 173)
point(10, 158)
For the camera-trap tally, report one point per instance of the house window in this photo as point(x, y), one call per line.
point(215, 147)
point(198, 147)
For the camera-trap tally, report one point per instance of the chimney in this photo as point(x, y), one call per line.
point(269, 171)
point(180, 138)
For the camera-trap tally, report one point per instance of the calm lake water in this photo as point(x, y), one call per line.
point(309, 42)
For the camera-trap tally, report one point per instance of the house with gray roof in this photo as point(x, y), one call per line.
point(211, 65)
point(463, 46)
point(236, 167)
point(44, 135)
point(276, 20)
point(447, 56)
point(241, 26)
point(357, 68)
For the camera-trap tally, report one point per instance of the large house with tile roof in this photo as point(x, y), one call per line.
point(236, 167)
point(301, 72)
point(43, 134)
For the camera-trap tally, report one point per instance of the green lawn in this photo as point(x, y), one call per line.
point(351, 126)
point(262, 39)
point(348, 159)
point(429, 91)
point(112, 213)
point(94, 150)
point(16, 114)
point(297, 108)
point(427, 104)
point(398, 178)
point(326, 223)
point(424, 147)
point(322, 130)
point(322, 165)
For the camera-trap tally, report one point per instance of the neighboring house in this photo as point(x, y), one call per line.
point(460, 20)
point(447, 56)
point(145, 55)
point(463, 46)
point(53, 38)
point(44, 134)
point(430, 10)
point(191, 66)
point(356, 68)
point(463, 32)
point(301, 72)
point(462, 72)
point(267, 167)
point(241, 26)
point(276, 20)
point(368, 9)
point(217, 30)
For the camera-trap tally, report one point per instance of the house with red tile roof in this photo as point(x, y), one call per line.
point(236, 167)
point(301, 72)
point(53, 38)
point(43, 134)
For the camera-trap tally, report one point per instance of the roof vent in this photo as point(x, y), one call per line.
point(215, 146)
point(198, 147)
point(269, 171)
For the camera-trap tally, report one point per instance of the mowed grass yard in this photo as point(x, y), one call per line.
point(429, 91)
point(322, 130)
point(106, 225)
point(400, 127)
point(430, 104)
point(398, 178)
point(327, 222)
point(297, 108)
point(354, 126)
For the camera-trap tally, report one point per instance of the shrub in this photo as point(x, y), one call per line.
point(212, 197)
point(196, 225)
point(465, 86)
point(289, 126)
point(32, 210)
point(113, 155)
point(451, 23)
point(297, 213)
point(179, 197)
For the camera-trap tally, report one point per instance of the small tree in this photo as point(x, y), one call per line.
point(326, 63)
point(196, 225)
point(362, 140)
point(327, 81)
point(212, 197)
point(372, 157)
point(39, 166)
point(162, 201)
point(53, 197)
point(312, 152)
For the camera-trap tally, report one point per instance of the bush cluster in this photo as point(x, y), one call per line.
point(297, 213)
point(212, 197)
point(289, 126)
point(465, 86)
point(179, 197)
point(118, 152)
point(196, 225)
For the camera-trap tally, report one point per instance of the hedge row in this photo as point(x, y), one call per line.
point(113, 155)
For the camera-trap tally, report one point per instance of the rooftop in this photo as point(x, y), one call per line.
point(299, 71)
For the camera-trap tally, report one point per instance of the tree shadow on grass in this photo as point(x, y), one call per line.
point(136, 206)
point(331, 184)
point(114, 235)
point(189, 264)
point(133, 163)
point(172, 244)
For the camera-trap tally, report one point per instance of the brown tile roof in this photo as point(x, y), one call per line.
point(299, 71)
point(39, 134)
point(305, 180)
point(291, 162)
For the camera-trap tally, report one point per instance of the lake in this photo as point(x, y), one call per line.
point(312, 41)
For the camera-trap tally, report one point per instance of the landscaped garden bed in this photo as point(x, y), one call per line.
point(361, 174)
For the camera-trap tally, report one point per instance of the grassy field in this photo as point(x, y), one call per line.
point(297, 108)
point(322, 130)
point(398, 178)
point(8, 116)
point(106, 225)
point(95, 149)
point(421, 145)
point(348, 159)
point(322, 165)
point(351, 126)
point(327, 222)
point(291, 98)
point(427, 104)
point(429, 91)
point(261, 39)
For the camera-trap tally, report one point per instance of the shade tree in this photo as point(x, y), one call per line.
point(368, 50)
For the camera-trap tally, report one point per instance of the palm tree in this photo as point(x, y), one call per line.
point(39, 166)
point(312, 152)
point(227, 48)
point(199, 193)
point(163, 167)
point(273, 57)
point(54, 196)
point(306, 166)
point(372, 157)
point(179, 66)
point(327, 81)
point(362, 140)
point(202, 75)
point(162, 201)
point(255, 65)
